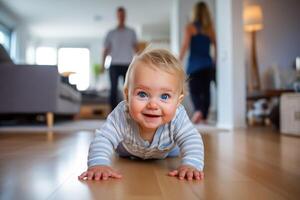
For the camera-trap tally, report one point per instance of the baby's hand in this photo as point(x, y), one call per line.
point(188, 172)
point(99, 172)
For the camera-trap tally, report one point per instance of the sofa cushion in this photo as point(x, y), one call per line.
point(68, 93)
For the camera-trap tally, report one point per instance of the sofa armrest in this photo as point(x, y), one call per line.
point(28, 88)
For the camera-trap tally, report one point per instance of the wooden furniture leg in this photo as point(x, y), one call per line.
point(49, 119)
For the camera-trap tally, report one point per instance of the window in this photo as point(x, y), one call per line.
point(76, 62)
point(2, 37)
point(46, 56)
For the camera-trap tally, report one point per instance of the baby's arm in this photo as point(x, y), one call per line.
point(191, 146)
point(102, 148)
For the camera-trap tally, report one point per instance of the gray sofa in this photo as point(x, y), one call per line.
point(35, 89)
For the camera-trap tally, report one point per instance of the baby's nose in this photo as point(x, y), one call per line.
point(152, 105)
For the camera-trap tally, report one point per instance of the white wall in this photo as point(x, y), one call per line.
point(230, 64)
point(6, 17)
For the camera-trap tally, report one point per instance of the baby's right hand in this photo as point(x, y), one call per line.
point(99, 172)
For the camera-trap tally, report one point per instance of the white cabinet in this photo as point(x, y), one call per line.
point(290, 113)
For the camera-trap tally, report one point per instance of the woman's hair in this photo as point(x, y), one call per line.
point(201, 14)
point(158, 59)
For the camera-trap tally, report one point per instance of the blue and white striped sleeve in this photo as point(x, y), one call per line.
point(107, 139)
point(189, 140)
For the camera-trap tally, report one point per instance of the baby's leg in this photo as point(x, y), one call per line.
point(174, 152)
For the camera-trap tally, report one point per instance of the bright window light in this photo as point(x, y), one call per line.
point(4, 39)
point(30, 55)
point(46, 56)
point(76, 62)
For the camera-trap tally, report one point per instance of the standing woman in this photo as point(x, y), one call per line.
point(199, 36)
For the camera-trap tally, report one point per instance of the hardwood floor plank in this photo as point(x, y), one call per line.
point(245, 164)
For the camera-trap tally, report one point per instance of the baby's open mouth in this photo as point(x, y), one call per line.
point(151, 115)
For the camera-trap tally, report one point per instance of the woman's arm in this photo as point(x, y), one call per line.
point(186, 41)
point(214, 43)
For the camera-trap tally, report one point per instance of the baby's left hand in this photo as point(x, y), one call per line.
point(188, 172)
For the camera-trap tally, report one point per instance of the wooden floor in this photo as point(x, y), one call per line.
point(245, 164)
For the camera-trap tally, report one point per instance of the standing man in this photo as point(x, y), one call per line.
point(121, 45)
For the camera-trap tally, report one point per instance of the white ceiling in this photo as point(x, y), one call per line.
point(76, 18)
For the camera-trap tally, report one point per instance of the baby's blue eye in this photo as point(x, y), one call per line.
point(142, 94)
point(165, 96)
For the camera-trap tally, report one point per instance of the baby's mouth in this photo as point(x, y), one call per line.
point(151, 115)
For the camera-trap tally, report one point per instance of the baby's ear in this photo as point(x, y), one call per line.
point(180, 99)
point(125, 93)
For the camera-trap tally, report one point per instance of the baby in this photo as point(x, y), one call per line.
point(151, 123)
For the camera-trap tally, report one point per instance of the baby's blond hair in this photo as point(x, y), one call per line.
point(161, 59)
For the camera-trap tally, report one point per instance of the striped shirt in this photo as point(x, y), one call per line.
point(121, 128)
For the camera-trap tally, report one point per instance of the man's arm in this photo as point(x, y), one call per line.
point(135, 43)
point(104, 54)
point(106, 49)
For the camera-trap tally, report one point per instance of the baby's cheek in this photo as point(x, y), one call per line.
point(134, 110)
point(169, 113)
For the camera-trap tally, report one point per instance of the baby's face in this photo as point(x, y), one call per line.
point(153, 96)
